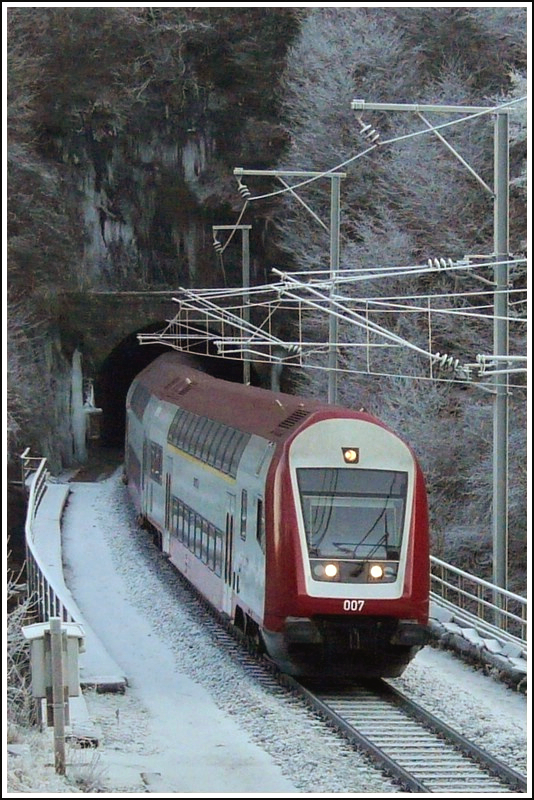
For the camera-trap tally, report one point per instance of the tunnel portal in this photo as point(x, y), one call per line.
point(125, 361)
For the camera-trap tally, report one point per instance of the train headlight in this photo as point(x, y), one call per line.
point(376, 571)
point(351, 455)
point(326, 571)
point(330, 570)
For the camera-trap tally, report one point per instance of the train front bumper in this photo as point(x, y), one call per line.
point(366, 646)
point(365, 629)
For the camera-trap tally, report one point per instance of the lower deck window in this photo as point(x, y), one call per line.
point(201, 537)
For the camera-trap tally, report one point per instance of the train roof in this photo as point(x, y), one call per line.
point(176, 379)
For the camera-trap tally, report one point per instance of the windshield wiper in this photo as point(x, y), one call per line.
point(346, 547)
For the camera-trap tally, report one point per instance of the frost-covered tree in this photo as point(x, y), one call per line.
point(408, 201)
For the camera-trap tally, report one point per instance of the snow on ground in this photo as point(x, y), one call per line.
point(476, 705)
point(191, 720)
point(205, 725)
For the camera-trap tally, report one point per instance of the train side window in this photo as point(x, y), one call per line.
point(198, 536)
point(199, 437)
point(207, 446)
point(199, 541)
point(156, 462)
point(220, 443)
point(238, 452)
point(175, 516)
point(139, 400)
point(263, 457)
point(213, 446)
point(205, 541)
point(229, 446)
point(182, 429)
point(192, 530)
point(182, 522)
point(210, 552)
point(243, 526)
point(218, 551)
point(177, 425)
point(204, 439)
point(260, 524)
point(188, 528)
point(190, 439)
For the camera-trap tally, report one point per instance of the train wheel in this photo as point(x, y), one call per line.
point(254, 637)
point(158, 538)
point(239, 620)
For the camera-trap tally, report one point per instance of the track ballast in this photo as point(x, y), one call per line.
point(410, 744)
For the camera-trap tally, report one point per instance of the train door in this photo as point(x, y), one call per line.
point(228, 570)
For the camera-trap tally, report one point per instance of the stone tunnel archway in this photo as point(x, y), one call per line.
point(124, 362)
point(105, 326)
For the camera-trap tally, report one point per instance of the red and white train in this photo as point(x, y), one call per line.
point(305, 523)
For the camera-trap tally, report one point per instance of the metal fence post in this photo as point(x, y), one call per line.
point(58, 693)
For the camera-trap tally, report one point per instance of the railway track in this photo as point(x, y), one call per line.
point(415, 747)
point(409, 743)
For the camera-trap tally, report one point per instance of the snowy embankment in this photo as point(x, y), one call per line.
point(191, 720)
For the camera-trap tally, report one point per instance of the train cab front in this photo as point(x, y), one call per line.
point(349, 564)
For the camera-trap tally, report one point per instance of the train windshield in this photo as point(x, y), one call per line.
point(353, 513)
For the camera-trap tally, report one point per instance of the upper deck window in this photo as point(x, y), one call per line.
point(139, 400)
point(212, 442)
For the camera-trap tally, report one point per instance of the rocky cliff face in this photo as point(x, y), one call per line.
point(125, 127)
point(142, 210)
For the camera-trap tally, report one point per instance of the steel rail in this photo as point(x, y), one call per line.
point(393, 767)
point(433, 757)
point(459, 759)
point(468, 747)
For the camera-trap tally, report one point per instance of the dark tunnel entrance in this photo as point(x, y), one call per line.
point(125, 362)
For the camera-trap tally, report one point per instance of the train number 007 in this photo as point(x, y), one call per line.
point(353, 605)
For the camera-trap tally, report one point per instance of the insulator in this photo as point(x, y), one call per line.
point(293, 350)
point(217, 245)
point(371, 134)
point(447, 362)
point(368, 131)
point(243, 190)
point(440, 263)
